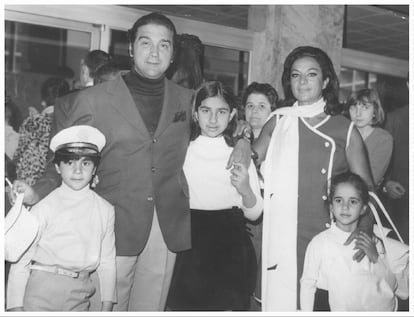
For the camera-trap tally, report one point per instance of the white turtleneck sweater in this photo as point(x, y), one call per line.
point(76, 232)
point(352, 285)
point(209, 180)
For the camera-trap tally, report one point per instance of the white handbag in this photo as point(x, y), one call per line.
point(20, 230)
point(396, 252)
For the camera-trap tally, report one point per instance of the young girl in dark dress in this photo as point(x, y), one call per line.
point(218, 272)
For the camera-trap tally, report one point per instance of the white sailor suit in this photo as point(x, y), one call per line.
point(76, 237)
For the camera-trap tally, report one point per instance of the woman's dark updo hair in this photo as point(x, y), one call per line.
point(331, 91)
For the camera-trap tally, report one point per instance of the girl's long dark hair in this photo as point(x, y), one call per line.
point(214, 89)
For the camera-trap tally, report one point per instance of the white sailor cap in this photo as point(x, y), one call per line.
point(79, 139)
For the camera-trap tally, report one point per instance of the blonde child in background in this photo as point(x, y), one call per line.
point(218, 272)
point(368, 285)
point(366, 111)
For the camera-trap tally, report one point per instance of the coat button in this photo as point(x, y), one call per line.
point(323, 171)
point(326, 144)
point(324, 197)
point(153, 169)
point(149, 198)
point(154, 141)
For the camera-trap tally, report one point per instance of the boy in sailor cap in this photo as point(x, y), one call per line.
point(76, 235)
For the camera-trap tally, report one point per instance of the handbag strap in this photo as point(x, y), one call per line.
point(385, 213)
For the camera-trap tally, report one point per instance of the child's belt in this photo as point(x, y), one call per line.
point(60, 271)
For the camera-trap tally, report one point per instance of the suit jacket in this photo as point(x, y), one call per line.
point(137, 171)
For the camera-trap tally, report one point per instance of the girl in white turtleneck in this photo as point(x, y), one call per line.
point(218, 272)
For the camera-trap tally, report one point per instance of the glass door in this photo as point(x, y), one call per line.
point(37, 48)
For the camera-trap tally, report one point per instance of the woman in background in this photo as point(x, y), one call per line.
point(259, 100)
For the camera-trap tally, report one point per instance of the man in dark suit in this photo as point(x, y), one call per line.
point(145, 119)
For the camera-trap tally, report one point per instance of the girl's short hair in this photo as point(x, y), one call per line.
point(331, 91)
point(352, 179)
point(371, 96)
point(215, 89)
point(265, 89)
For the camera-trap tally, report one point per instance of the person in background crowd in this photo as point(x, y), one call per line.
point(216, 274)
point(187, 68)
point(90, 64)
point(52, 88)
point(365, 110)
point(369, 285)
point(75, 237)
point(258, 100)
point(146, 121)
point(12, 122)
point(396, 185)
point(304, 146)
point(35, 131)
point(108, 71)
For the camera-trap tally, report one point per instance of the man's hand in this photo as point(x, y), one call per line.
point(242, 127)
point(394, 189)
point(30, 196)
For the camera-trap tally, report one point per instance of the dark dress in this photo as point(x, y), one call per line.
point(219, 272)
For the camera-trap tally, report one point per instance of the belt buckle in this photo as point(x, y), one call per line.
point(66, 272)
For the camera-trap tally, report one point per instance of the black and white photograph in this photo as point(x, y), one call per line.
point(219, 158)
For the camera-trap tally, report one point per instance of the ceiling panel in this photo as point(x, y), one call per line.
point(382, 30)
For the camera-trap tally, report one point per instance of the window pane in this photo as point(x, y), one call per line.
point(34, 53)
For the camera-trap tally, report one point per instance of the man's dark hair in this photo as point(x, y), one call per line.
point(152, 18)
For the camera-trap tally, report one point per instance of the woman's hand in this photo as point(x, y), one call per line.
point(359, 255)
point(366, 243)
point(242, 152)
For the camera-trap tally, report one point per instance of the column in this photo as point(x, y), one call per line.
point(279, 29)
